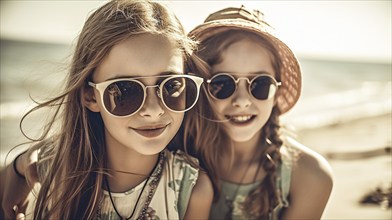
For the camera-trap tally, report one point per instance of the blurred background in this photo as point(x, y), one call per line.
point(344, 113)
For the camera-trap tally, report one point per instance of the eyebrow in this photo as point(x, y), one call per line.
point(137, 76)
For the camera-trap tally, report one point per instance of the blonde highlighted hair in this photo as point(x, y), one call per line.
point(75, 154)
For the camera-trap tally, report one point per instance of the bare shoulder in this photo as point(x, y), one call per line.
point(203, 187)
point(204, 184)
point(201, 198)
point(311, 183)
point(309, 165)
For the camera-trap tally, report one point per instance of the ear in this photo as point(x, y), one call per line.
point(89, 100)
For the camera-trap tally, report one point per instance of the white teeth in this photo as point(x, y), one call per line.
point(241, 118)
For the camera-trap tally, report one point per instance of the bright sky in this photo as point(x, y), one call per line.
point(359, 30)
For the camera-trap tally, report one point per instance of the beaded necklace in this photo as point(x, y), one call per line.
point(152, 181)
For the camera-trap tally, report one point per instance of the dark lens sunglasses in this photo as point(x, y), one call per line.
point(261, 87)
point(124, 97)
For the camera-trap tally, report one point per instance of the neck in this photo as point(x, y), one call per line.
point(243, 166)
point(244, 151)
point(128, 168)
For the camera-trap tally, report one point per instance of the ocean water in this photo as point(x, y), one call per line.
point(338, 91)
point(333, 91)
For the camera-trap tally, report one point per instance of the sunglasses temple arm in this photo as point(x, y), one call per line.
point(92, 84)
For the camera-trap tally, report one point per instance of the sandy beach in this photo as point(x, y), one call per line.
point(355, 152)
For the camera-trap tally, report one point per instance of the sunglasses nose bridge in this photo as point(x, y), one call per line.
point(237, 81)
point(241, 98)
point(156, 90)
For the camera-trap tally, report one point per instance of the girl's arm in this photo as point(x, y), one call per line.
point(15, 187)
point(311, 186)
point(201, 198)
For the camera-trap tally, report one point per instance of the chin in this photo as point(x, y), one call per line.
point(152, 147)
point(151, 150)
point(241, 139)
point(241, 136)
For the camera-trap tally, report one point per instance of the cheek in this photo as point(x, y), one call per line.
point(266, 106)
point(220, 106)
point(110, 122)
point(177, 119)
point(265, 109)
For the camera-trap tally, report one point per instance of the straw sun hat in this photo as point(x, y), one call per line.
point(243, 19)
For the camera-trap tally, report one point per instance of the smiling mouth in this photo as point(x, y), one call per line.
point(240, 119)
point(151, 132)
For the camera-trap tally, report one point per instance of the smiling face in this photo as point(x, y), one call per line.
point(246, 115)
point(149, 130)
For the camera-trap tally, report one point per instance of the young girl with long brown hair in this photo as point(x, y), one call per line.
point(252, 78)
point(124, 101)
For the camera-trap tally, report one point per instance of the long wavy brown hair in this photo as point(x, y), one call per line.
point(206, 138)
point(72, 142)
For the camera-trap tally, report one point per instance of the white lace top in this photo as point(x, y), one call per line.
point(169, 201)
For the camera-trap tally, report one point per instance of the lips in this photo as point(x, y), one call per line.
point(241, 120)
point(151, 131)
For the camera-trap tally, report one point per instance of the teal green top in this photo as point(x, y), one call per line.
point(220, 209)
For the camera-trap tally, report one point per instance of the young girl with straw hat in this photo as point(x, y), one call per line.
point(252, 78)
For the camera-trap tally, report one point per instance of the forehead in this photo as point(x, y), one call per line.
point(141, 55)
point(245, 57)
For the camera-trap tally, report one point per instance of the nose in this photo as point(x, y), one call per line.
point(152, 107)
point(241, 98)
